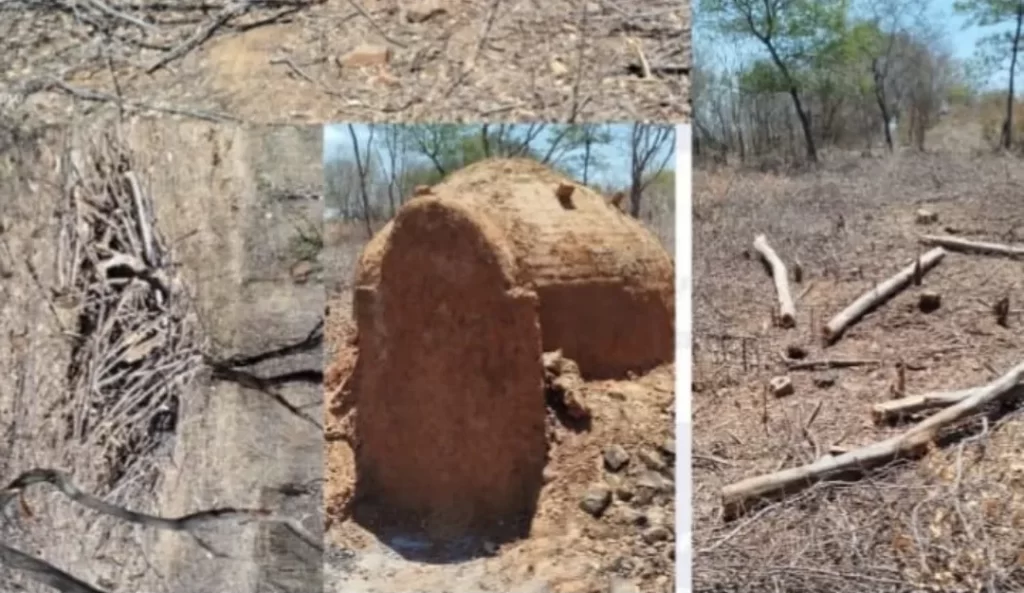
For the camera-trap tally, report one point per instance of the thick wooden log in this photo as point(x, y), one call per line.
point(879, 294)
point(979, 247)
point(894, 409)
point(743, 495)
point(787, 311)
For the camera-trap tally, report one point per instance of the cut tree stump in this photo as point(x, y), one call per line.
point(880, 293)
point(741, 496)
point(787, 311)
point(979, 247)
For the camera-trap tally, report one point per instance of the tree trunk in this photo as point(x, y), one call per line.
point(794, 92)
point(879, 78)
point(587, 143)
point(1008, 124)
point(635, 195)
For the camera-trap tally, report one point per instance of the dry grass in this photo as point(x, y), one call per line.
point(950, 522)
point(511, 60)
point(991, 113)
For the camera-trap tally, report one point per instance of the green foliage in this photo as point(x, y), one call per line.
point(961, 94)
point(800, 32)
point(763, 77)
point(995, 49)
point(985, 13)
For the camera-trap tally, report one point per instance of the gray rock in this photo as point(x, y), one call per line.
point(654, 481)
point(596, 499)
point(615, 458)
point(652, 459)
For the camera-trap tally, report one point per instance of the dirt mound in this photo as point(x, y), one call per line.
point(605, 283)
point(455, 302)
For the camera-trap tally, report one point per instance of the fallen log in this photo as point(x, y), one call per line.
point(787, 311)
point(880, 293)
point(744, 495)
point(892, 410)
point(979, 247)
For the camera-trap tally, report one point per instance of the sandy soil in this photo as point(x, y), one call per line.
point(946, 523)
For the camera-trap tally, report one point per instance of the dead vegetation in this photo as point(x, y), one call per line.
point(106, 349)
point(531, 261)
point(322, 60)
point(825, 485)
point(135, 344)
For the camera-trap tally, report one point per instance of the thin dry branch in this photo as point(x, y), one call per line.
point(815, 365)
point(787, 311)
point(879, 294)
point(743, 495)
point(201, 34)
point(978, 247)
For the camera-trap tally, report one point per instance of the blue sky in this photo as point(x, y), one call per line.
point(960, 39)
point(338, 144)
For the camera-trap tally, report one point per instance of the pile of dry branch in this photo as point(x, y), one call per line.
point(135, 342)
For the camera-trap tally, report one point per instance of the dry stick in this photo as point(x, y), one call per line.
point(380, 31)
point(787, 311)
point(879, 294)
point(142, 219)
point(200, 35)
point(812, 365)
point(738, 497)
point(895, 409)
point(980, 247)
point(98, 97)
point(122, 16)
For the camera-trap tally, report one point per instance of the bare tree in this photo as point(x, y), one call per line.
point(396, 151)
point(995, 47)
point(363, 171)
point(650, 150)
point(883, 40)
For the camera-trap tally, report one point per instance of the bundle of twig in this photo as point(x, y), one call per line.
point(136, 345)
